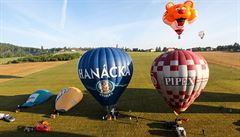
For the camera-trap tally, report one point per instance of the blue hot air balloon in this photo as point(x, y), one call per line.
point(36, 98)
point(105, 73)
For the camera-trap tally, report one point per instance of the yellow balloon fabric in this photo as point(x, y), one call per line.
point(68, 98)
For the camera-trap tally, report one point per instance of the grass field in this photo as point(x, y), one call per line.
point(210, 112)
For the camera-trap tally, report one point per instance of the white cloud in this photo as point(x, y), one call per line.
point(64, 13)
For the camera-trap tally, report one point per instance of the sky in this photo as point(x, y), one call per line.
point(105, 23)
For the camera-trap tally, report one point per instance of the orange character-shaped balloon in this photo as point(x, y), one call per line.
point(179, 15)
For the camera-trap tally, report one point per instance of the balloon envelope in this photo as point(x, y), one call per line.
point(201, 34)
point(68, 98)
point(180, 77)
point(36, 98)
point(105, 73)
point(178, 16)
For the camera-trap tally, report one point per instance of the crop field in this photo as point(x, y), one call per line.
point(12, 71)
point(223, 58)
point(217, 110)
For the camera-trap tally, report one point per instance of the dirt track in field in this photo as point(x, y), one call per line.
point(13, 71)
point(222, 58)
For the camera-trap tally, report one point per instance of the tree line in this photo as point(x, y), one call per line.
point(234, 48)
point(9, 50)
point(230, 48)
point(47, 58)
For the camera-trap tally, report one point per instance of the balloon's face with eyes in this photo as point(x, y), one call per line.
point(179, 15)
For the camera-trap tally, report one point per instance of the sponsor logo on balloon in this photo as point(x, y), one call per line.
point(178, 81)
point(121, 71)
point(182, 81)
point(65, 90)
point(32, 98)
point(105, 88)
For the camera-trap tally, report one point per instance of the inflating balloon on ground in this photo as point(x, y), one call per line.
point(36, 98)
point(68, 98)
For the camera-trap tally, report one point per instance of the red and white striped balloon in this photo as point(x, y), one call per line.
point(180, 76)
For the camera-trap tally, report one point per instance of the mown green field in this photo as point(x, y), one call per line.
point(217, 111)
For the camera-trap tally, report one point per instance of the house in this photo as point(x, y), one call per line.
point(170, 49)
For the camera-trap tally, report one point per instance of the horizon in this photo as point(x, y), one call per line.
point(129, 23)
point(162, 47)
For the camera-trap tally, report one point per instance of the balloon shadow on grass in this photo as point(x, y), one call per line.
point(148, 100)
point(88, 107)
point(10, 103)
point(21, 133)
point(9, 76)
point(237, 123)
point(158, 128)
point(133, 99)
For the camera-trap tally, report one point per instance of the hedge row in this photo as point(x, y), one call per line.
point(46, 58)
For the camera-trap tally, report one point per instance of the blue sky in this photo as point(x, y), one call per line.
point(104, 23)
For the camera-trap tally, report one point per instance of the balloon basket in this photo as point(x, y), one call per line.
point(17, 110)
point(111, 113)
point(111, 116)
point(180, 121)
point(55, 114)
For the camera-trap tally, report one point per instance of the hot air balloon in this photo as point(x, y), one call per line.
point(36, 98)
point(177, 16)
point(68, 98)
point(201, 34)
point(180, 77)
point(105, 73)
